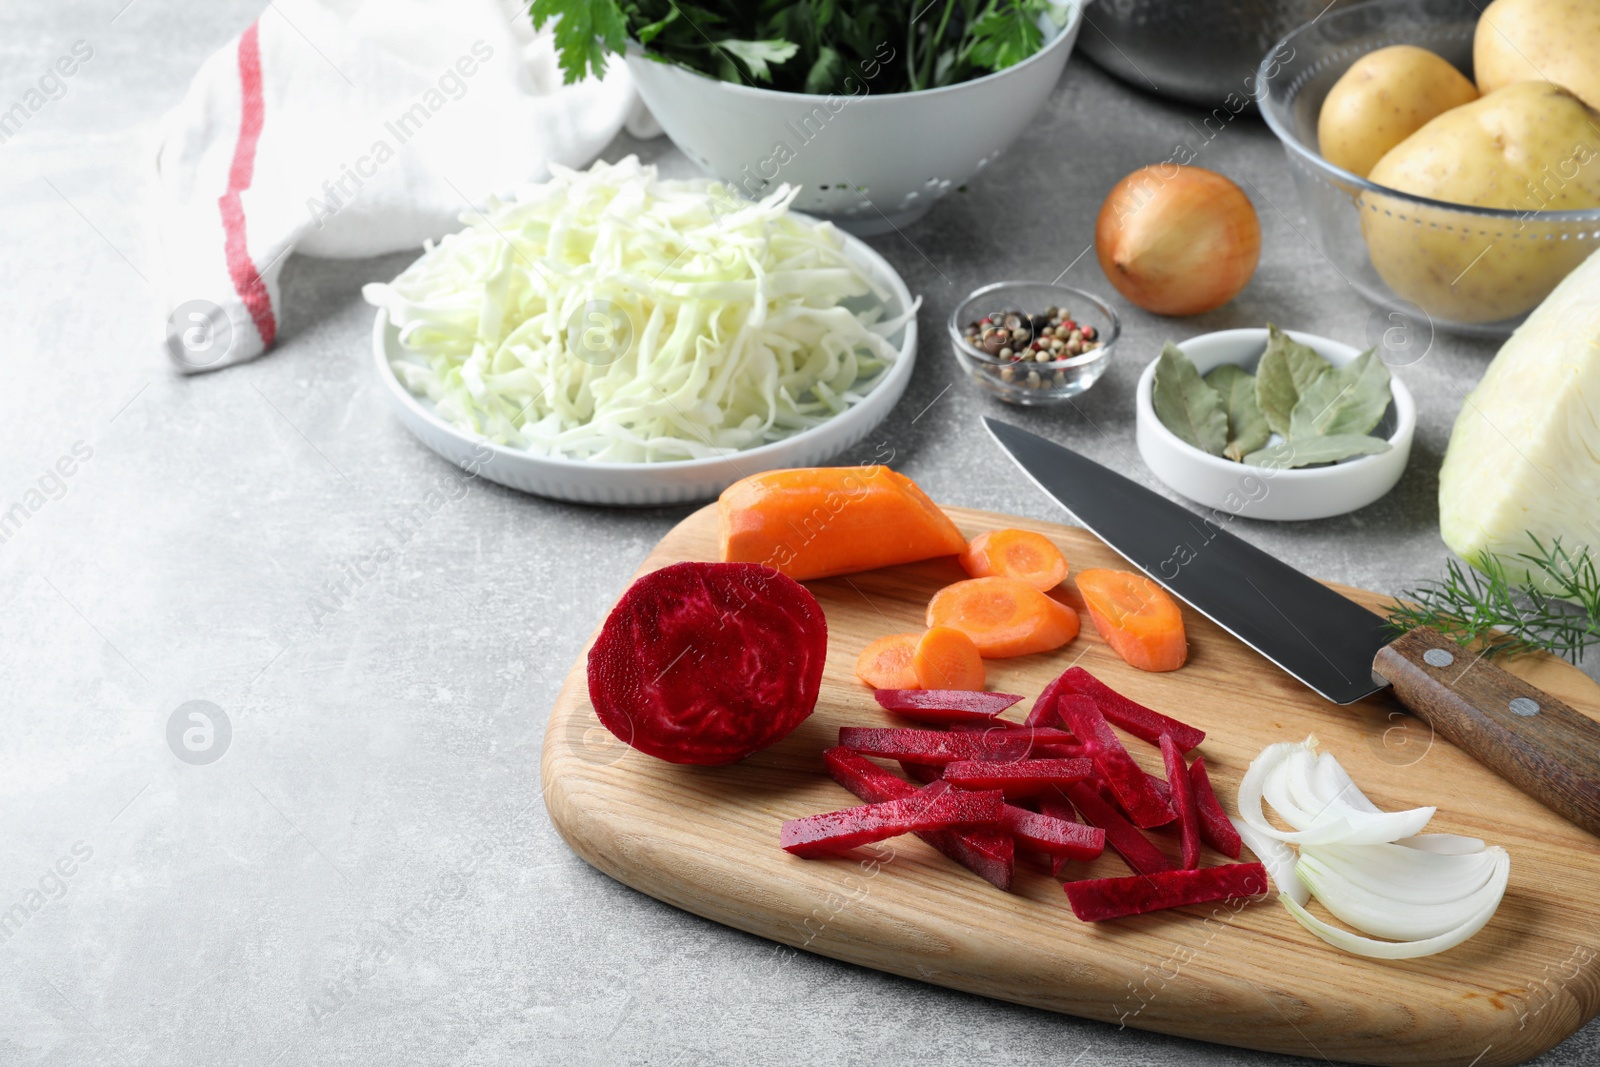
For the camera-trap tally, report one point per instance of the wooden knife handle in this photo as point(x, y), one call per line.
point(1528, 737)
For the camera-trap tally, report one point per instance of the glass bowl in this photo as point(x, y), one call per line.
point(1465, 269)
point(1029, 381)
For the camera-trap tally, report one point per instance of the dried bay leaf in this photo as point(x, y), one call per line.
point(1186, 405)
point(1305, 451)
point(1347, 400)
point(1287, 369)
point(1247, 427)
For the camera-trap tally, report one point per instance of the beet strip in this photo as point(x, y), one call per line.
point(1216, 829)
point(935, 807)
point(1044, 711)
point(1127, 779)
point(938, 747)
point(1054, 803)
point(915, 701)
point(1182, 802)
point(1064, 839)
point(1113, 898)
point(921, 772)
point(1029, 775)
point(990, 854)
point(1138, 720)
point(976, 720)
point(1140, 855)
point(1163, 790)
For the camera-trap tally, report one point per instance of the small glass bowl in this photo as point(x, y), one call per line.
point(1032, 382)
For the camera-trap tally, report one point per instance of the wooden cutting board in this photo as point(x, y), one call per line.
point(706, 840)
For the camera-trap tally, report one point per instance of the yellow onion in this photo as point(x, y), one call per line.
point(1177, 240)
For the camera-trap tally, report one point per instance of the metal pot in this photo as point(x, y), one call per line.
point(1194, 50)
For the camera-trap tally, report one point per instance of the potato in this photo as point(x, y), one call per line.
point(1539, 40)
point(1383, 98)
point(1529, 147)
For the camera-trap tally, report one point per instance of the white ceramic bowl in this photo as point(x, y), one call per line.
point(1261, 493)
point(648, 484)
point(870, 162)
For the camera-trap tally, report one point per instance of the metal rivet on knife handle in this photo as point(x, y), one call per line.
point(1537, 743)
point(1437, 657)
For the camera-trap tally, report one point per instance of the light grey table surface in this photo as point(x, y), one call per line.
point(367, 875)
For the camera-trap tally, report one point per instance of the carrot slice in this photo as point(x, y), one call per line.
point(947, 659)
point(813, 522)
point(886, 663)
point(1137, 618)
point(1021, 554)
point(1003, 616)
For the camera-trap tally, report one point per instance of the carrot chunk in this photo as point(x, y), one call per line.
point(1021, 554)
point(1003, 616)
point(886, 663)
point(1136, 617)
point(813, 522)
point(946, 658)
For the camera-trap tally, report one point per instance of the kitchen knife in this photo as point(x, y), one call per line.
point(1331, 643)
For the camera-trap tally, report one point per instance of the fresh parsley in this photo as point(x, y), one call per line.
point(810, 46)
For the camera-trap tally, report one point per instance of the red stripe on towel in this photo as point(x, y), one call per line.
point(246, 281)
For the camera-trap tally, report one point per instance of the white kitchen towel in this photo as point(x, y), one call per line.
point(345, 128)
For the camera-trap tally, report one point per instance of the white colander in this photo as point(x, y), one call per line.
point(868, 162)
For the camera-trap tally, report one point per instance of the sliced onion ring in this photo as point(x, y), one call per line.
point(1399, 950)
point(1277, 857)
point(1385, 915)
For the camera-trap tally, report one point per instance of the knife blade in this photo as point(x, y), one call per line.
point(1330, 643)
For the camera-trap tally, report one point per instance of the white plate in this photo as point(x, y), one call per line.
point(674, 482)
point(1258, 492)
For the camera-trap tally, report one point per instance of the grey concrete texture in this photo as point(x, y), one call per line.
point(367, 874)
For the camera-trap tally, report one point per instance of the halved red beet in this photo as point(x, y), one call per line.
point(1113, 898)
point(1121, 835)
point(1182, 802)
point(1017, 777)
point(707, 663)
point(1127, 780)
point(934, 807)
point(1138, 720)
point(990, 854)
point(1215, 828)
point(944, 705)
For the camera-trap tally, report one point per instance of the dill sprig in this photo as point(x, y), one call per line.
point(1556, 610)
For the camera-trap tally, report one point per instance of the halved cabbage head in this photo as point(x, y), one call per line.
point(1524, 456)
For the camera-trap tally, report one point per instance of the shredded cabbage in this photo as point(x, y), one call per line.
point(614, 316)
